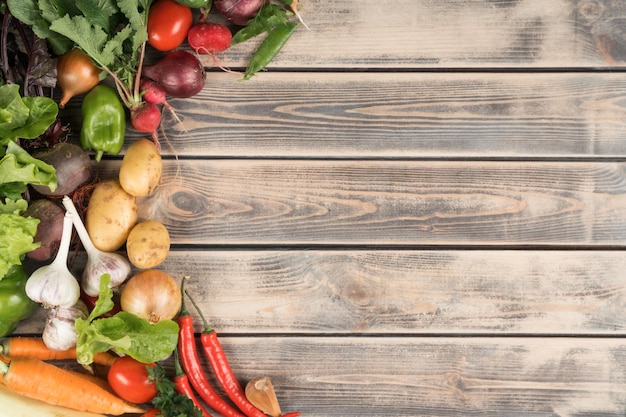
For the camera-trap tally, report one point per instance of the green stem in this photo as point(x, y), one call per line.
point(207, 328)
point(4, 368)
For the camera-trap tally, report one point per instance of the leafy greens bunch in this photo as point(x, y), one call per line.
point(20, 118)
point(112, 32)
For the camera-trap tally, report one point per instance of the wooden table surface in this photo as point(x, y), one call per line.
point(418, 210)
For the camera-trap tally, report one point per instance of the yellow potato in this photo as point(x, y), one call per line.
point(111, 214)
point(141, 168)
point(148, 244)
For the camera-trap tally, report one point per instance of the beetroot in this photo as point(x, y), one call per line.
point(49, 229)
point(238, 11)
point(179, 73)
point(72, 164)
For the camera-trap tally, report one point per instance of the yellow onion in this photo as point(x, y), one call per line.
point(152, 295)
point(76, 74)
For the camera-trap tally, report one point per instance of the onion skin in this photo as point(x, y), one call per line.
point(152, 295)
point(76, 74)
point(179, 73)
point(238, 11)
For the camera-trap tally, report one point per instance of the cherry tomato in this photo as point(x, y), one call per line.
point(168, 24)
point(130, 380)
point(153, 412)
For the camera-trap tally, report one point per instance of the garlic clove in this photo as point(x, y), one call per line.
point(59, 332)
point(260, 392)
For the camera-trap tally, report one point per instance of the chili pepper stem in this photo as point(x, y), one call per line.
point(205, 323)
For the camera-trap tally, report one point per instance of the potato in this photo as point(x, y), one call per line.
point(111, 214)
point(141, 168)
point(148, 244)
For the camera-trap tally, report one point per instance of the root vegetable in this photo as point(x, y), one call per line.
point(152, 295)
point(72, 164)
point(49, 229)
point(179, 73)
point(209, 38)
point(148, 244)
point(111, 214)
point(238, 11)
point(146, 118)
point(141, 168)
point(76, 74)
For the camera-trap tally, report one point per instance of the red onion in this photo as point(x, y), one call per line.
point(179, 73)
point(238, 11)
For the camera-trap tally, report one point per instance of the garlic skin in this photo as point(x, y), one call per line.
point(98, 262)
point(260, 392)
point(54, 285)
point(104, 263)
point(59, 332)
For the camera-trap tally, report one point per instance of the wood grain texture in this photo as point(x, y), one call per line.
point(402, 115)
point(400, 376)
point(281, 202)
point(402, 291)
point(452, 34)
point(418, 210)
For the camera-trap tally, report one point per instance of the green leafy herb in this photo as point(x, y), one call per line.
point(170, 402)
point(112, 32)
point(124, 332)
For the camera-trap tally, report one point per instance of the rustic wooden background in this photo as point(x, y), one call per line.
point(418, 210)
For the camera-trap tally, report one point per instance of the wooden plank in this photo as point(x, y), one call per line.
point(402, 291)
point(392, 376)
point(402, 115)
point(283, 202)
point(452, 34)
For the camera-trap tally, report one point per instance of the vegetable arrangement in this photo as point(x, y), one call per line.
point(110, 315)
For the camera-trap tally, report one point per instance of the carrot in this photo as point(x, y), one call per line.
point(46, 382)
point(32, 347)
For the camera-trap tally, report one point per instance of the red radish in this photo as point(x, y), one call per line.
point(180, 74)
point(238, 11)
point(209, 38)
point(153, 93)
point(146, 118)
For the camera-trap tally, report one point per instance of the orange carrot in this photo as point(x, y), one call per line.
point(32, 347)
point(46, 382)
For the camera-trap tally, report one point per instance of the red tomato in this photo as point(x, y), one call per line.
point(168, 24)
point(130, 380)
point(151, 413)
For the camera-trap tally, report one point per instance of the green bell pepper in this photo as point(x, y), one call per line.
point(103, 121)
point(15, 305)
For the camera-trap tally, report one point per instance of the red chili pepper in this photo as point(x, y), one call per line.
point(222, 370)
point(182, 385)
point(292, 414)
point(193, 368)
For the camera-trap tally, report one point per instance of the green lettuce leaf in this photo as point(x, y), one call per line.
point(124, 332)
point(18, 168)
point(16, 234)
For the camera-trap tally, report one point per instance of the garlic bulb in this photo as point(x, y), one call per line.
point(54, 285)
point(260, 392)
point(98, 262)
point(59, 332)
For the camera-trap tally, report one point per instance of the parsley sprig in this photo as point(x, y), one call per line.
point(168, 401)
